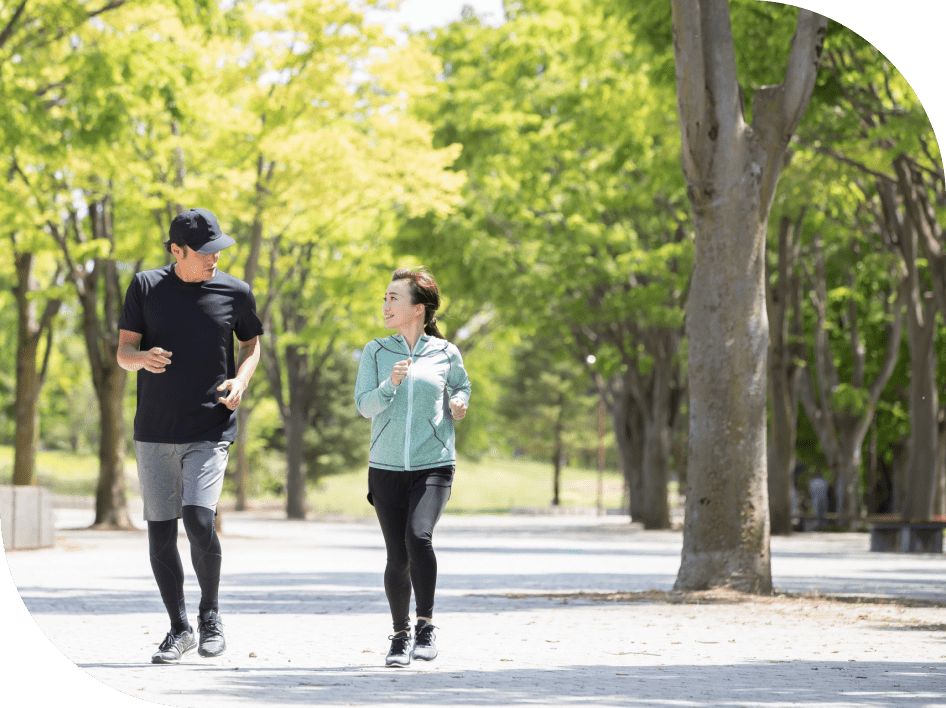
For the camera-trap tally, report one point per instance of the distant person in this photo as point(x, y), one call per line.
point(413, 387)
point(818, 489)
point(177, 330)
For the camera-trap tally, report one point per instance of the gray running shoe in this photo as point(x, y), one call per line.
point(424, 646)
point(174, 647)
point(210, 628)
point(400, 654)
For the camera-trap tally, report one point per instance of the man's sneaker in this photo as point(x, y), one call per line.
point(400, 654)
point(424, 646)
point(210, 628)
point(174, 647)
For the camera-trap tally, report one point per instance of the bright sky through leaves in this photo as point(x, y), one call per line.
point(425, 14)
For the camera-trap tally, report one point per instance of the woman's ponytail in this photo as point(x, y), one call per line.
point(424, 291)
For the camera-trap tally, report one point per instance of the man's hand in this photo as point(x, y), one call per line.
point(457, 408)
point(155, 359)
point(233, 398)
point(399, 372)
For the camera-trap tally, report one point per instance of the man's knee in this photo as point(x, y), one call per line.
point(198, 523)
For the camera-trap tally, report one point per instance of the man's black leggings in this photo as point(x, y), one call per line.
point(408, 505)
point(168, 569)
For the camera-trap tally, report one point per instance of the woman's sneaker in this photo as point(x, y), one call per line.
point(174, 647)
point(210, 628)
point(424, 646)
point(400, 653)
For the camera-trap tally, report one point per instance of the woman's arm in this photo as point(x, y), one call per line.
point(371, 398)
point(458, 385)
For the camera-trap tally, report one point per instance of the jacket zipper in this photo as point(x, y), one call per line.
point(410, 411)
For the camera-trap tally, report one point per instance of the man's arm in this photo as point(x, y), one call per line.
point(131, 359)
point(247, 360)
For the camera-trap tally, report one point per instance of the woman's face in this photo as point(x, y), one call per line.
point(398, 310)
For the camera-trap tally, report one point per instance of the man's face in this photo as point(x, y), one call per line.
point(194, 267)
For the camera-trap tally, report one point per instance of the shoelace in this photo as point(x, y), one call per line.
point(211, 627)
point(424, 634)
point(170, 641)
point(400, 643)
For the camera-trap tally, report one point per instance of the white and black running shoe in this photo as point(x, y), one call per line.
point(400, 653)
point(425, 648)
point(210, 628)
point(174, 647)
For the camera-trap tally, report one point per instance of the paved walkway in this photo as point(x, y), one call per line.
point(533, 611)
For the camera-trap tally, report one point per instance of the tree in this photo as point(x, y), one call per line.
point(81, 162)
point(841, 413)
point(546, 401)
point(878, 127)
point(35, 323)
point(731, 169)
point(783, 305)
point(573, 220)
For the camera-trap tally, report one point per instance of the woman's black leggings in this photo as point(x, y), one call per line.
point(408, 505)
point(168, 569)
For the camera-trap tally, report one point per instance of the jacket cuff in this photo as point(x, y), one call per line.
point(387, 388)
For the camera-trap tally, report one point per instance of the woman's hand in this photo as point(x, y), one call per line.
point(457, 408)
point(399, 372)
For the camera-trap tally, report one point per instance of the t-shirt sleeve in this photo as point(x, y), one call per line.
point(131, 318)
point(248, 324)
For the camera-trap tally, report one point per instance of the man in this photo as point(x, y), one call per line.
point(818, 489)
point(176, 330)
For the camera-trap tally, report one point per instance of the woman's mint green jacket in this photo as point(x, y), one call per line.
point(411, 424)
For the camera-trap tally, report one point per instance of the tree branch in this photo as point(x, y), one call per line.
point(11, 25)
point(802, 70)
point(691, 85)
point(843, 158)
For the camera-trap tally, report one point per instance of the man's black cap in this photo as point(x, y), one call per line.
point(198, 228)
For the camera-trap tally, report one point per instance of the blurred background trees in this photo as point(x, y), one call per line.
point(535, 166)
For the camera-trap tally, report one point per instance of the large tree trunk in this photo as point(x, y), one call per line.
point(924, 422)
point(726, 528)
point(908, 225)
point(26, 410)
point(100, 331)
point(657, 445)
point(629, 434)
point(731, 170)
point(848, 476)
point(111, 503)
point(29, 373)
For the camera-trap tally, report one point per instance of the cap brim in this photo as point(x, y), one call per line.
point(218, 244)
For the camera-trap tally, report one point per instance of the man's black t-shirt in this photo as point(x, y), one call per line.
point(196, 322)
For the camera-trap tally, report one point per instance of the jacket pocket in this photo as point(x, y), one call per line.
point(376, 437)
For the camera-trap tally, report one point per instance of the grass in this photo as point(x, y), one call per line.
point(61, 471)
point(490, 485)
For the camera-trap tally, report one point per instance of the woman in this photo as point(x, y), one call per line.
point(413, 386)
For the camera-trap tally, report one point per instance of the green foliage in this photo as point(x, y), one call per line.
point(534, 167)
point(549, 403)
point(573, 216)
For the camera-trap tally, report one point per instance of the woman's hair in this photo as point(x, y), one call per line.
point(424, 291)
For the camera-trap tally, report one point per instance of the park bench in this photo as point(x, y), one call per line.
point(889, 533)
point(894, 535)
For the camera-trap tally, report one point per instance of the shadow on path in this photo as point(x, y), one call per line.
point(759, 684)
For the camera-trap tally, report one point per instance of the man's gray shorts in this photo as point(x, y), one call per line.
point(172, 476)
